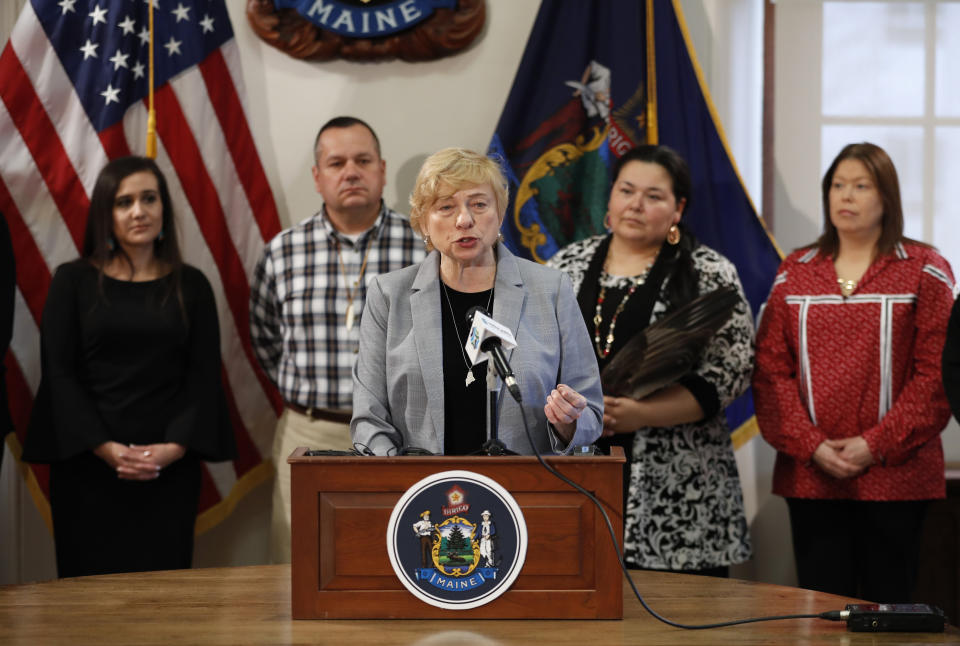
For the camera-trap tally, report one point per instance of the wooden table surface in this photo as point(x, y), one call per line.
point(251, 605)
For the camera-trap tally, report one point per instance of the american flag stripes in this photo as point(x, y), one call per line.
point(73, 87)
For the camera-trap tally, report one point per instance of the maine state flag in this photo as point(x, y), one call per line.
point(596, 79)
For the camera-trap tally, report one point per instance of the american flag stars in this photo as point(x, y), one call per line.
point(119, 60)
point(89, 50)
point(99, 15)
point(110, 94)
point(120, 27)
point(127, 25)
point(173, 46)
point(103, 46)
point(181, 12)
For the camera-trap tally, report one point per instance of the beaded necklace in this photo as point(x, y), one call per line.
point(604, 351)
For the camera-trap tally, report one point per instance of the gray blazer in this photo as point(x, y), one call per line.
point(398, 377)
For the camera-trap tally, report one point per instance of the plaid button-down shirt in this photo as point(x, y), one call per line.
point(298, 303)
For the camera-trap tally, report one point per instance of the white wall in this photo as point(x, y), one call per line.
point(728, 37)
point(417, 109)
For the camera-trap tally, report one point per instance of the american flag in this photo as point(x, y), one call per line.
point(73, 88)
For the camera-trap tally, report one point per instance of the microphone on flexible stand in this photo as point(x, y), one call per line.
point(485, 339)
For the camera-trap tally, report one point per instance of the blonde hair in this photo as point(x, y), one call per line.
point(453, 169)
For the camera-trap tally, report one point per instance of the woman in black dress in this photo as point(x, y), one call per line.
point(130, 398)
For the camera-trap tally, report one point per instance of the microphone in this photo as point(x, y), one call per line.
point(486, 339)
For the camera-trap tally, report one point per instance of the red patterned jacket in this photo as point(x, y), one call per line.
point(833, 367)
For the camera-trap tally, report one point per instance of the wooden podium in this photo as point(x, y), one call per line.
point(341, 507)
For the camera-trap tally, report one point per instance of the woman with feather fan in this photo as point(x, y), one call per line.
point(673, 337)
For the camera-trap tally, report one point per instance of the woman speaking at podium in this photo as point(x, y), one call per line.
point(414, 385)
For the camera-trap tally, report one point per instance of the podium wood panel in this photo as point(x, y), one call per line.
point(251, 605)
point(341, 507)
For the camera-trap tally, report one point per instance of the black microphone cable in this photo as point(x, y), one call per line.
point(833, 615)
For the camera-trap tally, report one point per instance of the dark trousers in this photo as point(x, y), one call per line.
point(103, 525)
point(857, 548)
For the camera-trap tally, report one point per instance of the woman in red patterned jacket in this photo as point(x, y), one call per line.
point(847, 385)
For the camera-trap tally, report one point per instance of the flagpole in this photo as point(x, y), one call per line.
point(151, 112)
point(653, 135)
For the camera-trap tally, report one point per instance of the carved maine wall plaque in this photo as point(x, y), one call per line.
point(411, 30)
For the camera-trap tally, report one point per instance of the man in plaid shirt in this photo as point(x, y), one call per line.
point(308, 294)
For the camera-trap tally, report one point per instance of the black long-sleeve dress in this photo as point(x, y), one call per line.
point(127, 364)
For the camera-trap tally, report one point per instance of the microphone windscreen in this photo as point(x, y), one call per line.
point(475, 310)
point(483, 327)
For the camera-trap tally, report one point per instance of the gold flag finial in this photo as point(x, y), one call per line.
point(151, 113)
point(653, 134)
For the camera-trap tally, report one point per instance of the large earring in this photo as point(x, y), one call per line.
point(673, 234)
point(426, 241)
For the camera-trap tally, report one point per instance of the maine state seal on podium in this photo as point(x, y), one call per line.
point(457, 540)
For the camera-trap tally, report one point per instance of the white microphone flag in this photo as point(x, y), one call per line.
point(484, 328)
